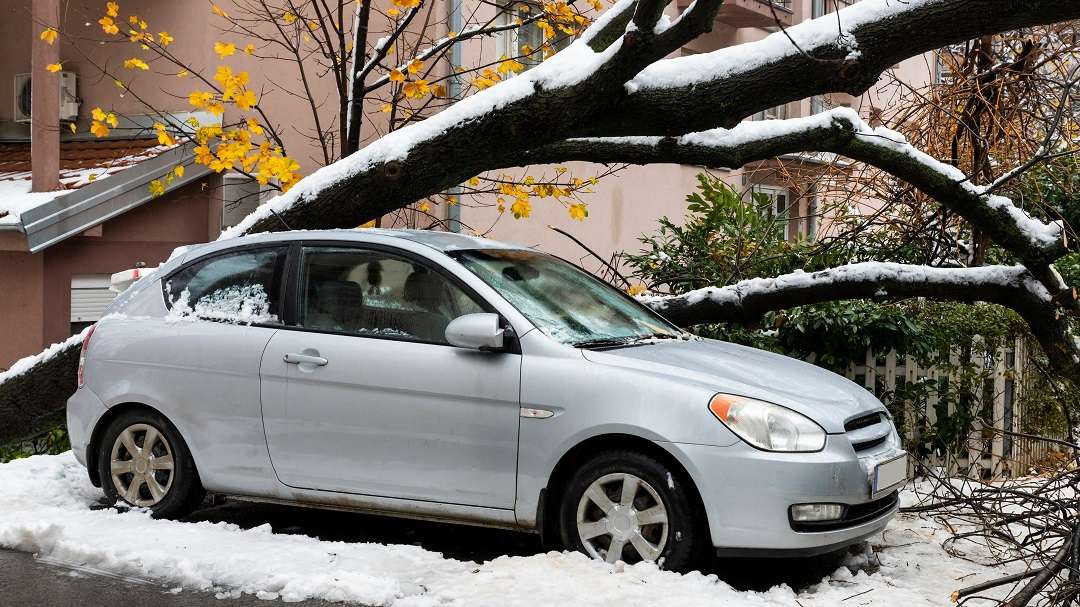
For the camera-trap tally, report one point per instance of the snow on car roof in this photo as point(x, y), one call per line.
point(440, 241)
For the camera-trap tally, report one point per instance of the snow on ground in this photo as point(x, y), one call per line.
point(44, 509)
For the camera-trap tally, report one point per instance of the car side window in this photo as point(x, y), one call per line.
point(241, 286)
point(372, 293)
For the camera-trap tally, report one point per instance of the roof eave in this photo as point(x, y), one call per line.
point(97, 202)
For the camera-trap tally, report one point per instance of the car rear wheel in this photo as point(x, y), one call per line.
point(626, 506)
point(144, 462)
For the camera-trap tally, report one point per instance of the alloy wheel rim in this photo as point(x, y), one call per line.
point(141, 465)
point(620, 517)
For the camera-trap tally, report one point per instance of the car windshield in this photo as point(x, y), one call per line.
point(565, 302)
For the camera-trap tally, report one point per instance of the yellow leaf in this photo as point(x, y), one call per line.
point(119, 84)
point(424, 207)
point(246, 100)
point(91, 177)
point(386, 107)
point(97, 114)
point(415, 66)
point(165, 38)
point(416, 90)
point(182, 74)
point(112, 9)
point(217, 11)
point(254, 126)
point(98, 129)
point(370, 224)
point(406, 3)
point(438, 90)
point(289, 16)
point(521, 208)
point(249, 49)
point(509, 65)
point(156, 188)
point(73, 127)
point(143, 25)
point(474, 181)
point(179, 170)
point(49, 35)
point(133, 19)
point(312, 25)
point(396, 75)
point(224, 49)
point(54, 67)
point(579, 212)
point(393, 12)
point(134, 63)
point(108, 26)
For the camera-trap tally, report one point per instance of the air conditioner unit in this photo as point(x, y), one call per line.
point(69, 100)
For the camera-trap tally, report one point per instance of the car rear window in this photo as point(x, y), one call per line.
point(240, 286)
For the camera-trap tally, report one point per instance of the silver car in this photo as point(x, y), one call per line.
point(440, 376)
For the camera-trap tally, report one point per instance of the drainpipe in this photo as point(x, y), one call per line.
point(45, 99)
point(453, 211)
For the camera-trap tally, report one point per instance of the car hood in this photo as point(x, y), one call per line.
point(821, 395)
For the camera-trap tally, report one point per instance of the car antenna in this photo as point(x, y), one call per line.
point(282, 220)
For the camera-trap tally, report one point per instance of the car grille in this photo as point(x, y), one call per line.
point(854, 514)
point(868, 431)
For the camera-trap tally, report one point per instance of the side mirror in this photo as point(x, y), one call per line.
point(476, 331)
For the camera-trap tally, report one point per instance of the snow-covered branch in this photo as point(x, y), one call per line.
point(1011, 286)
point(614, 81)
point(840, 131)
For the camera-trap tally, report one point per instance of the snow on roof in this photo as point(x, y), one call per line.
point(81, 163)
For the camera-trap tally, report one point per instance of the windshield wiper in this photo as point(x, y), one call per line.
point(619, 342)
point(610, 342)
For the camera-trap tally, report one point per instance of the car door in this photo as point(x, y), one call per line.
point(363, 395)
point(203, 358)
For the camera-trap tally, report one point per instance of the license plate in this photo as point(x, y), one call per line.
point(889, 474)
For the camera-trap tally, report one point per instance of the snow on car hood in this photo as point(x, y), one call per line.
point(824, 396)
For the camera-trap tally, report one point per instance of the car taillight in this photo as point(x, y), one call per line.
point(82, 353)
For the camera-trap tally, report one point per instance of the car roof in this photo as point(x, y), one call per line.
point(440, 241)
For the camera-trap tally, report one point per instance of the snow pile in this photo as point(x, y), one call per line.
point(832, 29)
point(44, 509)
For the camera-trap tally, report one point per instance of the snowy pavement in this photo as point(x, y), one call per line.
point(45, 508)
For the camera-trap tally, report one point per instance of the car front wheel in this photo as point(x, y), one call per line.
point(627, 506)
point(143, 462)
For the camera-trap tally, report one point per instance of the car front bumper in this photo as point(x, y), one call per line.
point(748, 493)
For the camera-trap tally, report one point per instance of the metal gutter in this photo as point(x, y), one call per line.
point(97, 202)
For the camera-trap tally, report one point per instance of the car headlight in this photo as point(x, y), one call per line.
point(767, 426)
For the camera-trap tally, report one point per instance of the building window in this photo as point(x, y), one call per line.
point(774, 113)
point(90, 295)
point(817, 9)
point(527, 39)
point(942, 73)
point(817, 104)
point(778, 207)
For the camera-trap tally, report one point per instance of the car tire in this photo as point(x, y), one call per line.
point(163, 479)
point(644, 497)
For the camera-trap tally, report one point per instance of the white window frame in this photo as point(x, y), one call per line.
point(778, 195)
point(508, 43)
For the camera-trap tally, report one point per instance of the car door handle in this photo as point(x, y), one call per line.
point(296, 359)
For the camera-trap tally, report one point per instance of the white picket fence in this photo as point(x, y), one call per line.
point(990, 454)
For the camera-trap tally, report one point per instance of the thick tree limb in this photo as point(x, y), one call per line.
point(1011, 286)
point(33, 396)
point(839, 131)
point(580, 92)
